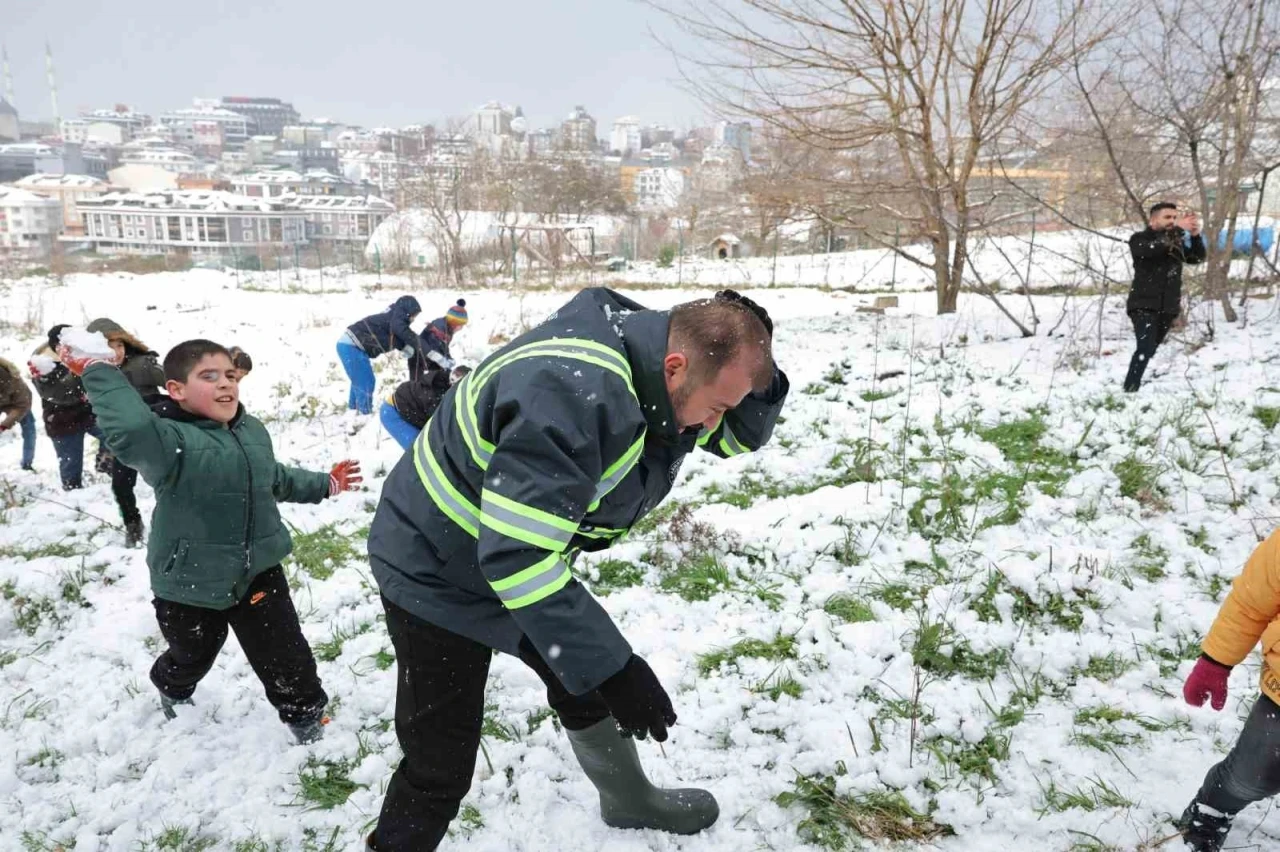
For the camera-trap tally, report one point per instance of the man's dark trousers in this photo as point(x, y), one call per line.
point(1150, 328)
point(439, 715)
point(266, 624)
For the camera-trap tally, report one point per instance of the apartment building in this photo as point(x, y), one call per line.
point(29, 223)
point(68, 191)
point(341, 219)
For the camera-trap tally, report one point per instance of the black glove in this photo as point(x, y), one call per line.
point(638, 702)
point(735, 296)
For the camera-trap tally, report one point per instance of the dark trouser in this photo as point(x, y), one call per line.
point(123, 479)
point(70, 452)
point(1251, 772)
point(28, 426)
point(439, 714)
point(267, 626)
point(1150, 329)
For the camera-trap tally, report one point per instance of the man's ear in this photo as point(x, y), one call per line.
point(674, 364)
point(177, 390)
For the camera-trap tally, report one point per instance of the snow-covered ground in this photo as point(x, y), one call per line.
point(975, 586)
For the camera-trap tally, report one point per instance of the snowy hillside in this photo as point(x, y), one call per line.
point(953, 606)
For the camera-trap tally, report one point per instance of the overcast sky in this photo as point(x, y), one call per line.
point(370, 62)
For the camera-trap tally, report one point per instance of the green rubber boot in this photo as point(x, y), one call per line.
point(627, 799)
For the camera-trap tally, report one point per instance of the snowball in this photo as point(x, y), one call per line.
point(43, 364)
point(82, 342)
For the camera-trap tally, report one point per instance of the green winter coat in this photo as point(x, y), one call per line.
point(215, 526)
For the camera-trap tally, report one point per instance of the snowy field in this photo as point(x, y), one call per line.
point(952, 606)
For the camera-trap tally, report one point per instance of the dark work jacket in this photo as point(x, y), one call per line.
point(558, 442)
point(1157, 269)
point(389, 331)
point(416, 400)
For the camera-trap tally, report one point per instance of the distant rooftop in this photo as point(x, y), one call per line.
point(44, 180)
point(206, 200)
point(370, 203)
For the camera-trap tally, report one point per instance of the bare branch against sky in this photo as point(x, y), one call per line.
point(391, 62)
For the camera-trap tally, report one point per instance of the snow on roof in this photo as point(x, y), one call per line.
point(14, 195)
point(351, 203)
point(189, 199)
point(45, 180)
point(28, 149)
point(727, 238)
point(277, 176)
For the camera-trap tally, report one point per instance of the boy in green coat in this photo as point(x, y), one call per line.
point(216, 538)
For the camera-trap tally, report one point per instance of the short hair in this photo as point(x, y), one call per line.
point(1162, 205)
point(240, 359)
point(182, 359)
point(717, 332)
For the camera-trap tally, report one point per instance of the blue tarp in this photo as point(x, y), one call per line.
point(1244, 239)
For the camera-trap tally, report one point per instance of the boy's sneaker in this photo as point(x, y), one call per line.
point(1203, 828)
point(309, 732)
point(167, 704)
point(134, 532)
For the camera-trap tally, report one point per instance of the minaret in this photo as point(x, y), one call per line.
point(53, 84)
point(8, 77)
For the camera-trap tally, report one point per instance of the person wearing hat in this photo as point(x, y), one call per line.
point(375, 335)
point(141, 366)
point(434, 341)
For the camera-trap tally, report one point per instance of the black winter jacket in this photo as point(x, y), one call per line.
point(417, 399)
point(558, 442)
point(1157, 268)
point(389, 331)
point(433, 349)
point(63, 405)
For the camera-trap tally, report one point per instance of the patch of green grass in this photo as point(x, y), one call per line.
point(1104, 668)
point(968, 759)
point(330, 649)
point(495, 728)
point(178, 839)
point(1091, 796)
point(834, 820)
point(1267, 416)
point(33, 841)
point(815, 389)
point(1139, 481)
point(877, 395)
point(780, 647)
point(323, 551)
point(1106, 728)
point(51, 550)
point(898, 596)
point(470, 819)
point(848, 609)
point(257, 844)
point(1170, 658)
point(45, 758)
point(325, 784)
point(781, 682)
point(1150, 560)
point(384, 659)
point(938, 650)
point(615, 574)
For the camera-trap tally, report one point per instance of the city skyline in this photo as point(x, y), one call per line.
point(608, 63)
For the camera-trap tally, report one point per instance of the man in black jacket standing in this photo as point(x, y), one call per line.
point(1168, 241)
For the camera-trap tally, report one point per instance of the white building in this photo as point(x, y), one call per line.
point(735, 134)
point(269, 183)
point(190, 222)
point(29, 223)
point(109, 126)
point(142, 177)
point(380, 169)
point(208, 129)
point(168, 159)
point(68, 191)
point(341, 219)
point(626, 137)
point(659, 188)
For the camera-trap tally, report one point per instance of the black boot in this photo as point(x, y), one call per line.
point(627, 799)
point(134, 532)
point(1203, 828)
point(309, 732)
point(167, 704)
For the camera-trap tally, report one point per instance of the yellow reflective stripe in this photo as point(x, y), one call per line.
point(525, 523)
point(459, 509)
point(597, 532)
point(543, 578)
point(464, 411)
point(707, 433)
point(729, 443)
point(619, 470)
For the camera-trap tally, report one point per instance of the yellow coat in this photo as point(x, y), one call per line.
point(1252, 612)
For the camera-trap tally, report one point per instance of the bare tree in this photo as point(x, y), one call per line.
point(919, 90)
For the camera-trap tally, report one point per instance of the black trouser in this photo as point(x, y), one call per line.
point(1150, 329)
point(439, 714)
point(1251, 772)
point(267, 626)
point(123, 480)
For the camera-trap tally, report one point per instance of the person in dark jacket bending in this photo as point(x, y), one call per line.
point(376, 334)
point(433, 348)
point(557, 443)
point(15, 410)
point(405, 412)
point(1155, 300)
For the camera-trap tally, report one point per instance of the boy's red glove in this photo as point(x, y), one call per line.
point(1207, 680)
point(78, 362)
point(345, 476)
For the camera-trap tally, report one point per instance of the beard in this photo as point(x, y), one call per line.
point(679, 397)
